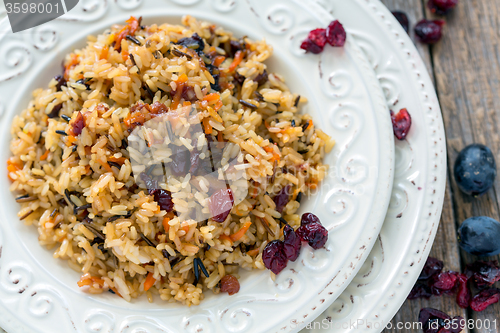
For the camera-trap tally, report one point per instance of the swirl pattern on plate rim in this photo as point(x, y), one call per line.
point(352, 305)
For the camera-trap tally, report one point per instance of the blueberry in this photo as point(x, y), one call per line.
point(475, 169)
point(480, 236)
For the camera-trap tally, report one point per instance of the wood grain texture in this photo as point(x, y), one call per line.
point(466, 69)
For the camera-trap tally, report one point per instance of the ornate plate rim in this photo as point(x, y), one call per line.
point(394, 286)
point(368, 238)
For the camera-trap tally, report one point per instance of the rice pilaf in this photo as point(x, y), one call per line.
point(74, 174)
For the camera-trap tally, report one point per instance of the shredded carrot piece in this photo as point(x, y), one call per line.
point(218, 106)
point(177, 96)
point(240, 233)
point(219, 137)
point(104, 53)
point(72, 62)
point(105, 165)
point(182, 79)
point(115, 291)
point(13, 166)
point(70, 140)
point(166, 226)
point(45, 155)
point(253, 252)
point(226, 237)
point(276, 157)
point(237, 60)
point(87, 169)
point(207, 127)
point(150, 281)
point(218, 60)
point(310, 124)
point(125, 55)
point(129, 29)
point(214, 97)
point(87, 280)
point(119, 160)
point(186, 228)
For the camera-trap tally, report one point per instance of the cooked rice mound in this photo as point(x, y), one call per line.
point(76, 181)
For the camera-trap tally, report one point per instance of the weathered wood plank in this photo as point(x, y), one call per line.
point(445, 246)
point(466, 67)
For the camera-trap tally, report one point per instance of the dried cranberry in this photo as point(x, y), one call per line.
point(292, 243)
point(432, 320)
point(229, 284)
point(432, 266)
point(158, 108)
point(443, 282)
point(55, 111)
point(61, 81)
point(309, 218)
point(261, 78)
point(484, 299)
point(220, 204)
point(282, 198)
point(435, 321)
point(318, 36)
point(310, 46)
point(441, 7)
point(402, 19)
point(181, 158)
point(401, 123)
point(335, 34)
point(195, 161)
point(314, 234)
point(164, 199)
point(483, 273)
point(420, 290)
point(77, 125)
point(429, 32)
point(464, 295)
point(150, 183)
point(274, 256)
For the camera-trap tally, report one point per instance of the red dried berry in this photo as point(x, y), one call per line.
point(429, 32)
point(220, 204)
point(310, 46)
point(292, 243)
point(309, 218)
point(443, 282)
point(335, 34)
point(420, 290)
point(432, 320)
point(432, 266)
point(77, 125)
point(402, 19)
point(484, 299)
point(401, 123)
point(318, 36)
point(282, 198)
point(274, 256)
point(483, 273)
point(464, 294)
point(164, 199)
point(314, 234)
point(441, 7)
point(435, 321)
point(229, 284)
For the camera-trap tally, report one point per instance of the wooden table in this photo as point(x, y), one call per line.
point(465, 66)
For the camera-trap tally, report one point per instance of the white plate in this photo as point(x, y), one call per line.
point(382, 285)
point(345, 100)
